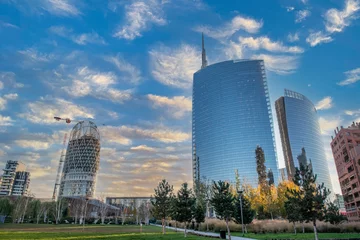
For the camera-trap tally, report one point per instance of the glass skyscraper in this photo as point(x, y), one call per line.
point(300, 134)
point(231, 117)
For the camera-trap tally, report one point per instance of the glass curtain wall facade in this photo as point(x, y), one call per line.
point(231, 117)
point(299, 128)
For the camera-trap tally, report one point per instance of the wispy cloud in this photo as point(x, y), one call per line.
point(175, 66)
point(225, 31)
point(6, 121)
point(143, 148)
point(328, 125)
point(81, 39)
point(44, 110)
point(325, 103)
point(279, 64)
point(8, 25)
point(352, 76)
point(293, 37)
point(337, 20)
point(267, 44)
point(132, 73)
point(35, 56)
point(317, 38)
point(301, 15)
point(139, 17)
point(176, 106)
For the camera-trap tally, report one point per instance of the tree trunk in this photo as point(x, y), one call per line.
point(175, 226)
point(228, 229)
point(207, 224)
point(246, 228)
point(294, 224)
point(185, 230)
point(303, 227)
point(315, 230)
point(163, 225)
point(272, 218)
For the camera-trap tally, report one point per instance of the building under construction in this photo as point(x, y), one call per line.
point(82, 161)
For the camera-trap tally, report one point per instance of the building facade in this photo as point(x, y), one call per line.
point(231, 117)
point(81, 161)
point(15, 181)
point(301, 136)
point(346, 150)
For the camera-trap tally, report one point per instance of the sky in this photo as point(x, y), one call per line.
point(128, 66)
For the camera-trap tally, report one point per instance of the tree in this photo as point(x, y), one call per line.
point(199, 214)
point(293, 210)
point(313, 200)
point(185, 205)
point(6, 207)
point(332, 214)
point(103, 209)
point(144, 212)
point(260, 165)
point(162, 201)
point(43, 207)
point(58, 208)
point(174, 212)
point(247, 212)
point(223, 202)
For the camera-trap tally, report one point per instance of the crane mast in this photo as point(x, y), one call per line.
point(59, 170)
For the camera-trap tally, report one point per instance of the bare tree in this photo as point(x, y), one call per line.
point(58, 208)
point(103, 208)
point(44, 206)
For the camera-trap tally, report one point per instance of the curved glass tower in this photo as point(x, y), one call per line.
point(231, 117)
point(301, 136)
point(82, 161)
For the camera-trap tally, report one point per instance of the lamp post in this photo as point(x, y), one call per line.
point(241, 211)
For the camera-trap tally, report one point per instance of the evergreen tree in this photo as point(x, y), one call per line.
point(162, 201)
point(332, 214)
point(293, 210)
point(247, 211)
point(185, 205)
point(260, 165)
point(223, 202)
point(174, 212)
point(199, 214)
point(313, 200)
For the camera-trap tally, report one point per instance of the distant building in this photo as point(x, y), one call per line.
point(127, 201)
point(301, 136)
point(339, 202)
point(15, 181)
point(231, 116)
point(346, 150)
point(81, 162)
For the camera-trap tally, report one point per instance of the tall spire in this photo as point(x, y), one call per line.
point(203, 54)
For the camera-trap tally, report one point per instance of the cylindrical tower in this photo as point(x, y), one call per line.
point(81, 161)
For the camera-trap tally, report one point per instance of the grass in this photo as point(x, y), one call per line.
point(73, 232)
point(300, 235)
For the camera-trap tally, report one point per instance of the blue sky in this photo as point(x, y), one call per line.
point(128, 65)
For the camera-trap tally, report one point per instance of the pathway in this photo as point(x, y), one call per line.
point(205, 234)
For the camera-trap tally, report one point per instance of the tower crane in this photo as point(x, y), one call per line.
point(62, 159)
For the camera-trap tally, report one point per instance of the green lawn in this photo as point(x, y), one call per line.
point(44, 232)
point(300, 235)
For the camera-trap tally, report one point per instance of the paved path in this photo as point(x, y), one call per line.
point(205, 234)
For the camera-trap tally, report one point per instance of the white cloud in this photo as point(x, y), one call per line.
point(37, 145)
point(176, 106)
point(267, 44)
point(35, 56)
point(81, 39)
point(228, 29)
point(175, 66)
point(6, 121)
point(352, 76)
point(325, 103)
point(97, 84)
point(8, 25)
point(352, 112)
point(125, 134)
point(60, 7)
point(143, 148)
point(279, 64)
point(44, 110)
point(317, 38)
point(302, 15)
point(305, 1)
point(11, 96)
point(336, 20)
point(328, 125)
point(233, 50)
point(3, 103)
point(290, 9)
point(293, 37)
point(139, 17)
point(131, 73)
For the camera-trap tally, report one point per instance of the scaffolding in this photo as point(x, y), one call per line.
point(82, 161)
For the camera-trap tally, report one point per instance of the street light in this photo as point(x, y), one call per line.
point(241, 211)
